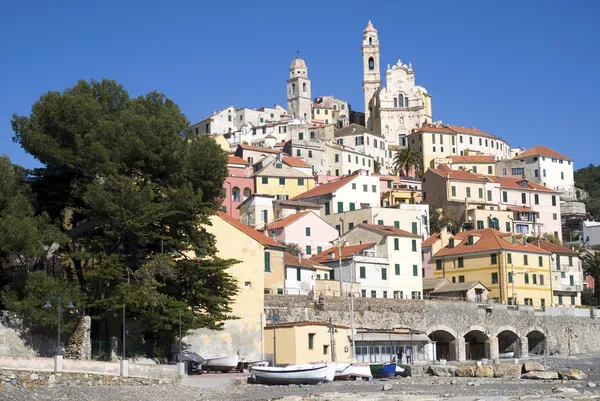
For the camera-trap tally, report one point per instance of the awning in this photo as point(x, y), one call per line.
point(387, 337)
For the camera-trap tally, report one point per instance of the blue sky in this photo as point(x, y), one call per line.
point(526, 70)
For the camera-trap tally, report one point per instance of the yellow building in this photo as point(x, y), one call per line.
point(222, 142)
point(307, 342)
point(514, 270)
point(284, 179)
point(260, 267)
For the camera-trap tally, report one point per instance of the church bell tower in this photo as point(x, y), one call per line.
point(371, 74)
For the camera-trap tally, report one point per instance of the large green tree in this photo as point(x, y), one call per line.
point(133, 189)
point(26, 239)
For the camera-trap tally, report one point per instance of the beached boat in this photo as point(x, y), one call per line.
point(223, 364)
point(342, 370)
point(294, 374)
point(383, 369)
point(360, 371)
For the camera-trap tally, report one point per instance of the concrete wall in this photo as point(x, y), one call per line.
point(567, 331)
point(94, 367)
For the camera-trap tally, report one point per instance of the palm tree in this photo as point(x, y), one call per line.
point(405, 159)
point(591, 265)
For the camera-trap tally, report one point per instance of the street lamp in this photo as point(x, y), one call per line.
point(59, 308)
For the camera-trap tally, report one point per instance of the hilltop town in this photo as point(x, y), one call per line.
point(324, 201)
point(306, 235)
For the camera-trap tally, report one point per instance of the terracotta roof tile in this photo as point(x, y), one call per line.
point(249, 231)
point(431, 240)
point(286, 221)
point(490, 240)
point(291, 260)
point(236, 160)
point(327, 188)
point(295, 162)
point(472, 159)
point(347, 251)
point(458, 174)
point(387, 230)
point(550, 247)
point(541, 151)
point(257, 149)
point(515, 183)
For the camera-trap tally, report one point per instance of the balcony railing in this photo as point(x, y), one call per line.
point(568, 288)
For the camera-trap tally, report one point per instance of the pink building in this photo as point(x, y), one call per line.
point(238, 186)
point(427, 251)
point(306, 229)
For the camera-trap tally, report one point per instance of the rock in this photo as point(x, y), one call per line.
point(14, 382)
point(591, 384)
point(51, 381)
point(473, 384)
point(572, 374)
point(387, 387)
point(532, 367)
point(441, 371)
point(465, 371)
point(565, 390)
point(34, 376)
point(540, 375)
point(484, 371)
point(505, 370)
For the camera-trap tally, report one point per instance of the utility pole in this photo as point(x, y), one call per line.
point(340, 257)
point(332, 340)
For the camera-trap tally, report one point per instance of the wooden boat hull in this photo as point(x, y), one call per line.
point(294, 374)
point(225, 363)
point(383, 369)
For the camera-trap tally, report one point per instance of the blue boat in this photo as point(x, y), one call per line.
point(383, 369)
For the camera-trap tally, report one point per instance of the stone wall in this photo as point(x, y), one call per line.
point(29, 379)
point(566, 330)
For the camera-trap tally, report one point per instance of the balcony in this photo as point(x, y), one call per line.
point(567, 288)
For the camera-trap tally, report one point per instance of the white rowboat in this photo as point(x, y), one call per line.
point(294, 374)
point(224, 364)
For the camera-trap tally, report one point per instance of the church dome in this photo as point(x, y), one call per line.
point(370, 28)
point(298, 64)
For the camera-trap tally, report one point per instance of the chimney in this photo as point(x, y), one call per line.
point(444, 236)
point(299, 257)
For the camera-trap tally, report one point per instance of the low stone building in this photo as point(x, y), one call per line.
point(441, 288)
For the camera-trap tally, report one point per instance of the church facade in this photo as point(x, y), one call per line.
point(395, 110)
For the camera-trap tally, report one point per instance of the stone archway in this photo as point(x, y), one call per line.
point(508, 344)
point(476, 345)
point(536, 342)
point(445, 342)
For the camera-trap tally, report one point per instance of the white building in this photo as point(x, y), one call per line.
point(591, 234)
point(233, 119)
point(544, 166)
point(345, 160)
point(413, 218)
point(384, 260)
point(301, 274)
point(365, 141)
point(402, 105)
point(340, 110)
point(357, 191)
point(257, 210)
